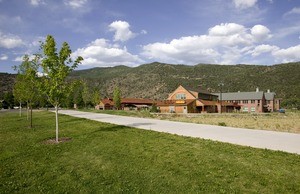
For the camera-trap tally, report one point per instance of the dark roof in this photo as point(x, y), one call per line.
point(270, 95)
point(209, 103)
point(241, 95)
point(198, 90)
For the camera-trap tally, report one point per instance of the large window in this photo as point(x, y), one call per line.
point(180, 96)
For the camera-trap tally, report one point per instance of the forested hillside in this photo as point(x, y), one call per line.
point(6, 82)
point(157, 80)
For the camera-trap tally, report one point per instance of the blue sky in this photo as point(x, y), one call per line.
point(133, 32)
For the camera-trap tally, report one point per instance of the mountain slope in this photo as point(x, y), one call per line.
point(156, 80)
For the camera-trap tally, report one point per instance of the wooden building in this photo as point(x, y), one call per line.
point(184, 100)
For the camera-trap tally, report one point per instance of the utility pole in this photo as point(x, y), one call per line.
point(221, 87)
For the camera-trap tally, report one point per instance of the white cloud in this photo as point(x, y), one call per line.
point(290, 54)
point(36, 2)
point(264, 48)
point(244, 4)
point(283, 32)
point(18, 59)
point(3, 57)
point(9, 41)
point(226, 29)
point(144, 32)
point(295, 10)
point(260, 32)
point(122, 31)
point(101, 53)
point(225, 43)
point(75, 4)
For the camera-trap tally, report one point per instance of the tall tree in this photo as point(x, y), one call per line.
point(57, 66)
point(19, 91)
point(117, 98)
point(26, 87)
point(96, 97)
point(86, 94)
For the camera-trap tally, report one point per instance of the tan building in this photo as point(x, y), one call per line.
point(183, 100)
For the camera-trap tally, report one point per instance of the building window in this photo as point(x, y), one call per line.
point(258, 101)
point(252, 101)
point(268, 101)
point(252, 109)
point(180, 96)
point(245, 101)
point(245, 109)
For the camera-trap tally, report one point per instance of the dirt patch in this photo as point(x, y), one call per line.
point(60, 140)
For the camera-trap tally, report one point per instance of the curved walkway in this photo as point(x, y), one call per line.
point(272, 140)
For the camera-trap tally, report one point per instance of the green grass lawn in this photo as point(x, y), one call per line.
point(106, 158)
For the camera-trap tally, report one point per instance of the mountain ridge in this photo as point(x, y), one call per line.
point(156, 80)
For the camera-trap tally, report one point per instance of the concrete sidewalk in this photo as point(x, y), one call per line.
point(272, 140)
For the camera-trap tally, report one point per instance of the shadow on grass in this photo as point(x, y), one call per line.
point(111, 128)
point(139, 124)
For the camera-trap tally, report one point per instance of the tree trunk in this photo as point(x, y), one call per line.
point(27, 111)
point(56, 121)
point(20, 109)
point(30, 115)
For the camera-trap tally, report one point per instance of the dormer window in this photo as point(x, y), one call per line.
point(180, 96)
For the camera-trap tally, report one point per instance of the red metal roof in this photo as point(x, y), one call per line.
point(136, 101)
point(174, 102)
point(109, 101)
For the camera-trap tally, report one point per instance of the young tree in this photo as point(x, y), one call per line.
point(26, 87)
point(19, 91)
point(117, 98)
point(86, 94)
point(56, 66)
point(9, 99)
point(96, 97)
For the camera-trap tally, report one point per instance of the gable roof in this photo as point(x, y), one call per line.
point(191, 92)
point(270, 95)
point(241, 95)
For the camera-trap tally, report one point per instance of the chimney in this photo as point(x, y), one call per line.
point(268, 91)
point(257, 89)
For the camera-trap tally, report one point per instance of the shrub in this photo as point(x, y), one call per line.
point(222, 124)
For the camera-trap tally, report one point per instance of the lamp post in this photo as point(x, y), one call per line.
point(221, 86)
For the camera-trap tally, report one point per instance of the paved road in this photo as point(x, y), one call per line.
point(272, 140)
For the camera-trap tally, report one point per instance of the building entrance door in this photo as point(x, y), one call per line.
point(185, 110)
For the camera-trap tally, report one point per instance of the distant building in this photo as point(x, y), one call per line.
point(184, 100)
point(126, 104)
point(257, 101)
